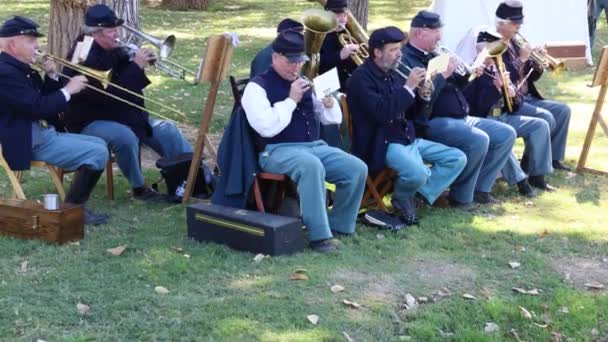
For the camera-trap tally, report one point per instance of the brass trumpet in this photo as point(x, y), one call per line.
point(104, 77)
point(541, 58)
point(425, 90)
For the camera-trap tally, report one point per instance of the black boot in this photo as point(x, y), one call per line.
point(406, 211)
point(539, 182)
point(558, 165)
point(525, 189)
point(79, 192)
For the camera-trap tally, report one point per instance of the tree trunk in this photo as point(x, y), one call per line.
point(359, 8)
point(67, 17)
point(184, 5)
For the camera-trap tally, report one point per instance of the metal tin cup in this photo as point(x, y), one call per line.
point(51, 201)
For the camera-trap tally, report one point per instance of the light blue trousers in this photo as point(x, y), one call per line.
point(68, 151)
point(166, 140)
point(413, 175)
point(537, 142)
point(309, 165)
point(487, 145)
point(557, 116)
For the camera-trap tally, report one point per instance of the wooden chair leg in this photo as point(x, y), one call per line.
point(14, 179)
point(57, 181)
point(109, 180)
point(259, 203)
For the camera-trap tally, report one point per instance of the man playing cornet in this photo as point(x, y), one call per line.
point(123, 127)
point(486, 143)
point(524, 71)
point(28, 102)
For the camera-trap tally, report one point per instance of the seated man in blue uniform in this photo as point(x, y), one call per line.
point(285, 116)
point(28, 101)
point(263, 59)
point(509, 18)
point(121, 126)
point(384, 111)
point(486, 143)
point(486, 98)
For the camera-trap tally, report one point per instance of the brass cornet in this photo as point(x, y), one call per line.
point(540, 57)
point(425, 90)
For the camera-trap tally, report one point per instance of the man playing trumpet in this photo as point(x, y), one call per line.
point(486, 143)
point(385, 110)
point(28, 102)
point(524, 71)
point(285, 117)
point(123, 127)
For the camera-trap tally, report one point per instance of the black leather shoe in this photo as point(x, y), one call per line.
point(147, 194)
point(525, 189)
point(540, 183)
point(462, 206)
point(558, 165)
point(484, 198)
point(383, 220)
point(93, 218)
point(323, 246)
point(406, 211)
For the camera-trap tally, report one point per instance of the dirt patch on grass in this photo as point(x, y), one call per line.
point(579, 271)
point(420, 277)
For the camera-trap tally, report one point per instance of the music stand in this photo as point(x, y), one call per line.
point(216, 64)
point(600, 78)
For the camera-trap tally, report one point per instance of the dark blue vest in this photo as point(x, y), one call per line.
point(304, 124)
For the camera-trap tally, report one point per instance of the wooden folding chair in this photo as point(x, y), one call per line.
point(15, 177)
point(383, 180)
point(237, 86)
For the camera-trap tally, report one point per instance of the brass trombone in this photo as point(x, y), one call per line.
point(104, 78)
point(541, 58)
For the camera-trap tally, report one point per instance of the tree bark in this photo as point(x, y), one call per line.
point(67, 17)
point(359, 8)
point(184, 5)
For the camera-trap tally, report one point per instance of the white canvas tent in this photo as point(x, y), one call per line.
point(544, 21)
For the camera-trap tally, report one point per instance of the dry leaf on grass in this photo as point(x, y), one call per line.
point(410, 302)
point(594, 285)
point(350, 304)
point(300, 270)
point(348, 338)
point(533, 292)
point(468, 296)
point(177, 249)
point(161, 290)
point(337, 288)
point(258, 257)
point(490, 328)
point(515, 335)
point(564, 309)
point(82, 308)
point(187, 256)
point(423, 300)
point(525, 313)
point(544, 326)
point(23, 268)
point(314, 319)
point(298, 276)
point(117, 251)
point(514, 264)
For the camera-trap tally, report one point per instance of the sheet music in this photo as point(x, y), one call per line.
point(437, 65)
point(326, 83)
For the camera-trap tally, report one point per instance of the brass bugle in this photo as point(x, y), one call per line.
point(543, 59)
point(105, 79)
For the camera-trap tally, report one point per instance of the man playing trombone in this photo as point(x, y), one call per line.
point(486, 96)
point(285, 116)
point(28, 102)
point(524, 71)
point(122, 126)
point(486, 143)
point(385, 109)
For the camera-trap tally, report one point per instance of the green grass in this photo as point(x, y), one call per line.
point(221, 294)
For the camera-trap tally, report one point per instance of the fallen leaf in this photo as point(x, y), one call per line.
point(515, 335)
point(544, 326)
point(75, 243)
point(187, 256)
point(178, 249)
point(298, 276)
point(258, 257)
point(595, 332)
point(353, 305)
point(533, 292)
point(445, 333)
point(423, 300)
point(337, 288)
point(468, 296)
point(23, 268)
point(300, 270)
point(490, 328)
point(82, 308)
point(514, 264)
point(594, 285)
point(314, 319)
point(117, 251)
point(525, 313)
point(161, 290)
point(564, 309)
point(520, 248)
point(410, 302)
point(348, 339)
point(529, 204)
